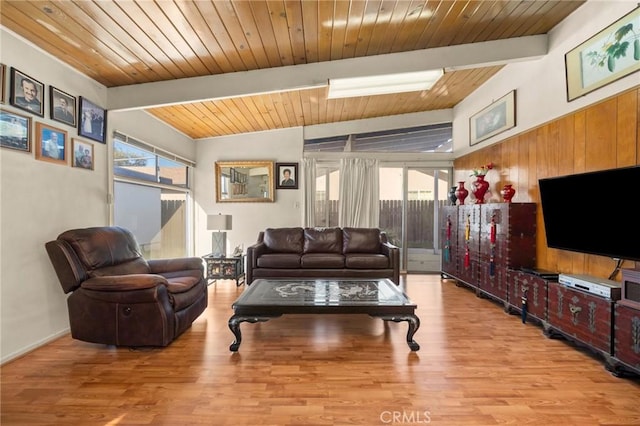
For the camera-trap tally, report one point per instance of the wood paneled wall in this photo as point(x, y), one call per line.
point(602, 136)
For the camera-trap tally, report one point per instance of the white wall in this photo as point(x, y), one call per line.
point(283, 146)
point(39, 200)
point(546, 98)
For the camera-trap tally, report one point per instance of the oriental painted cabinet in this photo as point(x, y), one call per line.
point(486, 241)
point(507, 242)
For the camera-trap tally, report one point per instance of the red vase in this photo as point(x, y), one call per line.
point(507, 193)
point(480, 187)
point(461, 192)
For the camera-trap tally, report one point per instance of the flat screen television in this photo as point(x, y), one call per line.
point(593, 212)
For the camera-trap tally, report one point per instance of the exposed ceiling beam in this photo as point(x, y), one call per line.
point(297, 77)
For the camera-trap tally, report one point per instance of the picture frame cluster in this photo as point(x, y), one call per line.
point(49, 143)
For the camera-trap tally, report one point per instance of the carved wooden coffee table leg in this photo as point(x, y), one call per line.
point(414, 324)
point(234, 326)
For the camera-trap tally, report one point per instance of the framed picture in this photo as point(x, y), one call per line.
point(604, 58)
point(494, 119)
point(82, 154)
point(26, 93)
point(286, 175)
point(3, 81)
point(92, 120)
point(62, 106)
point(15, 131)
point(51, 144)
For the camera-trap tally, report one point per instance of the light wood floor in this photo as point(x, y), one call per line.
point(477, 366)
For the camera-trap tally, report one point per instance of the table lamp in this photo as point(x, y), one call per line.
point(219, 223)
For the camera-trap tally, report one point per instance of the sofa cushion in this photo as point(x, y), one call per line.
point(361, 240)
point(323, 240)
point(284, 240)
point(322, 260)
point(279, 260)
point(366, 261)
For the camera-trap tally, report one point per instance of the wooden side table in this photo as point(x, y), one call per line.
point(228, 268)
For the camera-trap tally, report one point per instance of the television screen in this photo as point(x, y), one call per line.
point(593, 212)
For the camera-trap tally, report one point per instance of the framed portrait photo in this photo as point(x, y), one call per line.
point(51, 144)
point(286, 175)
point(15, 131)
point(3, 81)
point(27, 93)
point(494, 119)
point(62, 106)
point(92, 120)
point(82, 154)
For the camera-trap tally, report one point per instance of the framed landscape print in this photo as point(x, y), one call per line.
point(611, 54)
point(15, 131)
point(51, 144)
point(92, 120)
point(494, 119)
point(27, 93)
point(82, 154)
point(62, 107)
point(286, 175)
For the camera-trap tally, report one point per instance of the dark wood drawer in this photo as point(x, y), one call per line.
point(495, 284)
point(536, 289)
point(584, 317)
point(627, 335)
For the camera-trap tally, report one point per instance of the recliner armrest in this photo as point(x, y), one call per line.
point(120, 283)
point(157, 266)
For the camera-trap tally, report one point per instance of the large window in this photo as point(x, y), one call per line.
point(152, 197)
point(431, 138)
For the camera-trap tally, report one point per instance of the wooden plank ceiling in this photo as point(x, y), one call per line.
point(125, 42)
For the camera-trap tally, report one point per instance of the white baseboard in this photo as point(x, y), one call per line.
point(34, 346)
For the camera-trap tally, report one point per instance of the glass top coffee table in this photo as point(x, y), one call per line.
point(265, 299)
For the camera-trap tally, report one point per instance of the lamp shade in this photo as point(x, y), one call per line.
point(219, 222)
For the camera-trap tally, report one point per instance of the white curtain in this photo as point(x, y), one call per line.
point(359, 193)
point(309, 191)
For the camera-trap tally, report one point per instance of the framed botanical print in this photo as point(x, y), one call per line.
point(27, 93)
point(493, 119)
point(286, 175)
point(51, 144)
point(92, 120)
point(62, 106)
point(605, 57)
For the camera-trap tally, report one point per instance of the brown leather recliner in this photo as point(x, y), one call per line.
point(119, 298)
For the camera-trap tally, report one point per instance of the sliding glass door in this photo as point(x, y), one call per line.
point(410, 198)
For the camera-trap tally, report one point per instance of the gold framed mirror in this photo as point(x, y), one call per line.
point(244, 181)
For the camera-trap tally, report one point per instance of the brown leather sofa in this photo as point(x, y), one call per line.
point(119, 298)
point(323, 253)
